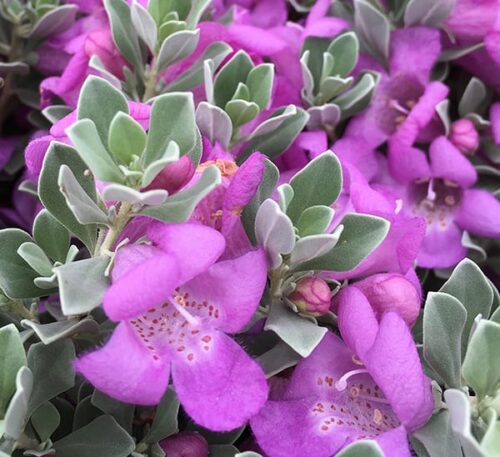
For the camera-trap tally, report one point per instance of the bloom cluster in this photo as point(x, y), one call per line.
point(254, 228)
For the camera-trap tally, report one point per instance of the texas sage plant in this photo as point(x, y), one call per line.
point(249, 228)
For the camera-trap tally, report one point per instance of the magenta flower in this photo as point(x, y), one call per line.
point(175, 304)
point(370, 387)
point(440, 189)
point(404, 99)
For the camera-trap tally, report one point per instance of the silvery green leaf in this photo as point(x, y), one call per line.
point(490, 443)
point(117, 192)
point(54, 22)
point(373, 27)
point(241, 93)
point(83, 207)
point(178, 207)
point(28, 187)
point(358, 97)
point(321, 116)
point(96, 63)
point(241, 111)
point(481, 367)
point(460, 417)
point(34, 256)
point(15, 418)
point(176, 47)
point(48, 333)
point(361, 235)
point(55, 113)
point(285, 192)
point(437, 437)
point(444, 321)
point(82, 285)
point(473, 99)
point(51, 197)
point(223, 450)
point(45, 421)
point(83, 134)
point(126, 138)
point(327, 68)
point(16, 276)
point(313, 246)
point(331, 87)
point(248, 454)
point(318, 183)
point(16, 68)
point(170, 155)
point(123, 31)
point(307, 78)
point(172, 119)
point(274, 230)
point(198, 7)
point(427, 12)
point(279, 140)
point(193, 76)
point(165, 422)
point(362, 448)
point(144, 25)
point(271, 124)
point(345, 50)
point(51, 236)
point(208, 79)
point(12, 358)
point(448, 55)
point(471, 288)
point(264, 191)
point(214, 123)
point(260, 84)
point(46, 282)
point(230, 75)
point(123, 413)
point(299, 333)
point(442, 109)
point(277, 359)
point(315, 220)
point(100, 101)
point(102, 437)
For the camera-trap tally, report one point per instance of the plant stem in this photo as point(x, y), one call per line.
point(121, 220)
point(16, 307)
point(150, 84)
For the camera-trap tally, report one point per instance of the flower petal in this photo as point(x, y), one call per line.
point(442, 247)
point(220, 388)
point(479, 213)
point(447, 162)
point(141, 285)
point(394, 364)
point(234, 287)
point(194, 246)
point(123, 369)
point(394, 443)
point(357, 322)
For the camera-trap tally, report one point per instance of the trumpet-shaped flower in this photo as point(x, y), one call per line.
point(370, 387)
point(175, 303)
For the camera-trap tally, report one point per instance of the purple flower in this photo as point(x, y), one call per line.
point(464, 136)
point(185, 444)
point(370, 387)
point(175, 304)
point(404, 101)
point(440, 189)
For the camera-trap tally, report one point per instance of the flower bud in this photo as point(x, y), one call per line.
point(391, 292)
point(185, 444)
point(174, 176)
point(311, 296)
point(464, 136)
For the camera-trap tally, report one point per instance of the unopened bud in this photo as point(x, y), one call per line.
point(311, 296)
point(464, 136)
point(185, 444)
point(174, 176)
point(391, 292)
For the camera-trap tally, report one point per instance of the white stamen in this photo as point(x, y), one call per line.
point(341, 384)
